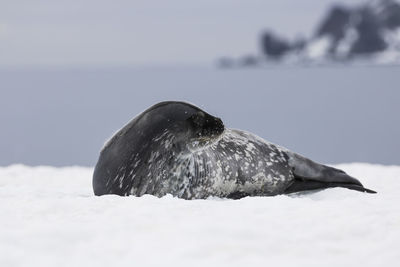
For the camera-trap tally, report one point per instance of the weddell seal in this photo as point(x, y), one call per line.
point(176, 148)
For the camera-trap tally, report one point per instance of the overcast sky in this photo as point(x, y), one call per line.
point(136, 32)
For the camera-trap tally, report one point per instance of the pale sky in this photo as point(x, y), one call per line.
point(145, 32)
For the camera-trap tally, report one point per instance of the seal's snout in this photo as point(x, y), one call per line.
point(220, 127)
point(213, 127)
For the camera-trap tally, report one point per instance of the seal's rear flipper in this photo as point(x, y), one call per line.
point(310, 175)
point(304, 185)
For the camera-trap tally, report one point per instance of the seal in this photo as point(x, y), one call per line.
point(177, 148)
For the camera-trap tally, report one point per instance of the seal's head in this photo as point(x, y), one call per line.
point(187, 123)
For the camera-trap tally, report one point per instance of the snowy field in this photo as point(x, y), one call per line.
point(49, 217)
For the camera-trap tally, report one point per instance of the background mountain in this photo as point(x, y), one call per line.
point(371, 31)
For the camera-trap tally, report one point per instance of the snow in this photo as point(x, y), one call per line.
point(344, 47)
point(391, 53)
point(318, 48)
point(49, 217)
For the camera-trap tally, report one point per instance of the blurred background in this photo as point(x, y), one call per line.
point(320, 77)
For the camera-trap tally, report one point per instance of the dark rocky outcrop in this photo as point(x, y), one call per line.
point(335, 23)
point(390, 14)
point(276, 47)
point(369, 29)
point(273, 45)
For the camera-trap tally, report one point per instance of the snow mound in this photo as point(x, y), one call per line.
point(49, 217)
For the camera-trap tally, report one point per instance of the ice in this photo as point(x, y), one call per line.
point(49, 217)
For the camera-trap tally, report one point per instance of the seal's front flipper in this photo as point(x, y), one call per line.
point(310, 175)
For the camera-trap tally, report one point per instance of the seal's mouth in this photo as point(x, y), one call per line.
point(211, 132)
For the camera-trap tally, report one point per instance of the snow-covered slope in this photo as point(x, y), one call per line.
point(49, 217)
